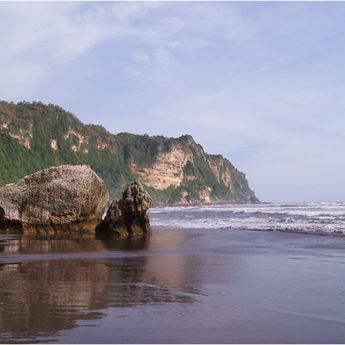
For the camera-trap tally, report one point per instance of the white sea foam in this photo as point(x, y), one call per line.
point(308, 217)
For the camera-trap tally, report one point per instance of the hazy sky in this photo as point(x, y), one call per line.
point(261, 83)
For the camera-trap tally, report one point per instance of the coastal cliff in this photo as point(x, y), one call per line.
point(35, 136)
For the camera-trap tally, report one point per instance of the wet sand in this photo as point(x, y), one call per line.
point(195, 286)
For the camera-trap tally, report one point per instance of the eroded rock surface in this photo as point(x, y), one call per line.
point(127, 217)
point(68, 196)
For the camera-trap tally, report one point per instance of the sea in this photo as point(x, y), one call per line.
point(207, 274)
point(314, 218)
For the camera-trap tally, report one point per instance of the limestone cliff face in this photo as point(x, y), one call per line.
point(167, 170)
point(34, 136)
point(200, 177)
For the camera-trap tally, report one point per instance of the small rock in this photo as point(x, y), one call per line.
point(127, 217)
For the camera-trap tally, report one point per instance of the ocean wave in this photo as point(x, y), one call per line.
point(307, 218)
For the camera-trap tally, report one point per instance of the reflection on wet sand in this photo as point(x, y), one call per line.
point(37, 299)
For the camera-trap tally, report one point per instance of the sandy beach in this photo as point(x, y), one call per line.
point(190, 286)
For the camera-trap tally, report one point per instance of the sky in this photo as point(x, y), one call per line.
point(262, 83)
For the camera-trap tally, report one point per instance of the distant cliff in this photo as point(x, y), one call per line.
point(34, 136)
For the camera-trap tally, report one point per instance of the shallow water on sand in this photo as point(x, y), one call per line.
point(175, 286)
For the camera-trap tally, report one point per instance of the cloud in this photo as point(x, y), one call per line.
point(40, 36)
point(141, 56)
point(163, 56)
point(261, 83)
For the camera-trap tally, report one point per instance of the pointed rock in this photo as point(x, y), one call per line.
point(127, 217)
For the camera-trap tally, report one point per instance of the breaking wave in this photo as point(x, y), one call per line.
point(326, 218)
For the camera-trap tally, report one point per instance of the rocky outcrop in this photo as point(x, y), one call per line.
point(68, 197)
point(127, 217)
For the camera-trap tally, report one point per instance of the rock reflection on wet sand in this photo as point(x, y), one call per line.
point(40, 298)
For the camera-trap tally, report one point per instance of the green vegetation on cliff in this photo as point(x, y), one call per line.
point(34, 136)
